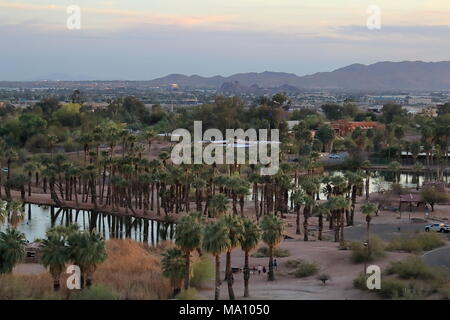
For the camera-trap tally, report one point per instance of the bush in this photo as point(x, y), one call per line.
point(303, 268)
point(411, 268)
point(414, 268)
point(360, 253)
point(263, 252)
point(203, 271)
point(360, 282)
point(190, 294)
point(416, 243)
point(30, 287)
point(323, 278)
point(96, 292)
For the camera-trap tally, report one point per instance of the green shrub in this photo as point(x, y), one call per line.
point(399, 289)
point(360, 282)
point(376, 250)
point(96, 292)
point(190, 294)
point(411, 268)
point(416, 242)
point(202, 271)
point(303, 268)
point(392, 288)
point(263, 252)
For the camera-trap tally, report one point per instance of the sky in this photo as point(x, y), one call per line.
point(146, 39)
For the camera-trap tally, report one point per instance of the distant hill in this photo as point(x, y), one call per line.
point(381, 76)
point(407, 75)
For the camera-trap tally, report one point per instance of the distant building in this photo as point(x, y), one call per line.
point(343, 127)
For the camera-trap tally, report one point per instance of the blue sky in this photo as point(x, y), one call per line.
point(144, 39)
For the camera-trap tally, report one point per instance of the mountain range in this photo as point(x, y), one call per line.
point(381, 76)
point(389, 76)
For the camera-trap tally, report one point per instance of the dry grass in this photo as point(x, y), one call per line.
point(32, 287)
point(133, 271)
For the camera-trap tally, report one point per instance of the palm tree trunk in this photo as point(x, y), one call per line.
point(271, 275)
point(319, 237)
point(229, 274)
point(297, 210)
point(217, 288)
point(187, 271)
point(246, 275)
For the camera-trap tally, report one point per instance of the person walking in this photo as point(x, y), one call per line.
point(264, 269)
point(259, 269)
point(275, 264)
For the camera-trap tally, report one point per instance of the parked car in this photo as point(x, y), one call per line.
point(334, 156)
point(5, 170)
point(437, 227)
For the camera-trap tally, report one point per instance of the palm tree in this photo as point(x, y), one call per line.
point(395, 167)
point(337, 205)
point(12, 249)
point(218, 204)
point(250, 239)
point(188, 236)
point(235, 231)
point(173, 267)
point(320, 210)
point(272, 227)
point(55, 255)
point(368, 209)
point(86, 250)
point(16, 213)
point(418, 167)
point(215, 241)
point(366, 165)
point(149, 135)
point(298, 198)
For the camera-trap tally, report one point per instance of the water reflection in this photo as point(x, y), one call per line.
point(41, 218)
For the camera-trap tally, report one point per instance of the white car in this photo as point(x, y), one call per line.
point(437, 227)
point(334, 156)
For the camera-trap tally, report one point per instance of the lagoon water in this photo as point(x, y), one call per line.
point(38, 220)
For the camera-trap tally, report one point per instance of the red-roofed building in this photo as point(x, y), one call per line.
point(343, 127)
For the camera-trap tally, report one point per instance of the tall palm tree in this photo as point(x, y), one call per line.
point(149, 135)
point(368, 209)
point(272, 227)
point(188, 236)
point(418, 167)
point(55, 255)
point(218, 204)
point(250, 239)
point(235, 231)
point(395, 167)
point(12, 249)
point(338, 205)
point(366, 165)
point(298, 198)
point(86, 250)
point(215, 241)
point(173, 267)
point(16, 213)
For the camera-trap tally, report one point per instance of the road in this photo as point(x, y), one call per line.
point(438, 257)
point(384, 231)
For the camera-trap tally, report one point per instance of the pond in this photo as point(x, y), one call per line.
point(38, 219)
